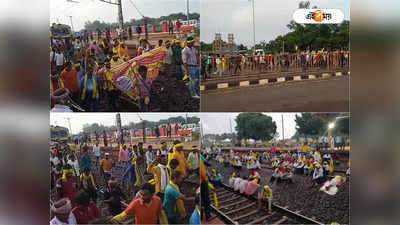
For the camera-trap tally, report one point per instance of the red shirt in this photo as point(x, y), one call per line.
point(70, 79)
point(68, 190)
point(144, 214)
point(83, 217)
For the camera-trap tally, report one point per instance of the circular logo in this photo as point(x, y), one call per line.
point(319, 15)
point(123, 83)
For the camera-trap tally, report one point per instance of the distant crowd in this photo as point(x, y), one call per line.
point(217, 65)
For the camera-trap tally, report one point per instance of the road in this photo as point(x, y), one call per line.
point(328, 95)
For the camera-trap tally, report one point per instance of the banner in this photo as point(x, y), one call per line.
point(124, 74)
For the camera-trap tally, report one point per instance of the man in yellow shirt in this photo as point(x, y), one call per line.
point(265, 195)
point(178, 154)
point(115, 61)
point(161, 175)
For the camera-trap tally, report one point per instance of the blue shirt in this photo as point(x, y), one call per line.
point(89, 84)
point(85, 161)
point(170, 197)
point(195, 217)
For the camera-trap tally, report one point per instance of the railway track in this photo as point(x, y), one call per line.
point(236, 208)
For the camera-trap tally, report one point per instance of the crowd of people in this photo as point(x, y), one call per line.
point(218, 65)
point(81, 73)
point(86, 189)
point(284, 164)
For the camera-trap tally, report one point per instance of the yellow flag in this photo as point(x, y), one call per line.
point(331, 166)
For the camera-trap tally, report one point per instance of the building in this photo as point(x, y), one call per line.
point(221, 47)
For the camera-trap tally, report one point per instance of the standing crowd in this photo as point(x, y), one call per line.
point(81, 73)
point(87, 189)
point(217, 65)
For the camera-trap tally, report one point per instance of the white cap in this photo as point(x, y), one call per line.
point(107, 153)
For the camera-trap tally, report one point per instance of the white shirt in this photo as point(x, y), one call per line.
point(59, 59)
point(189, 56)
point(243, 186)
point(61, 108)
point(71, 220)
point(55, 161)
point(168, 56)
point(96, 151)
point(318, 172)
point(75, 165)
point(317, 157)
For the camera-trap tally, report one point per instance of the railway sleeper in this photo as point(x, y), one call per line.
point(282, 220)
point(259, 220)
point(241, 208)
point(230, 199)
point(245, 215)
point(232, 204)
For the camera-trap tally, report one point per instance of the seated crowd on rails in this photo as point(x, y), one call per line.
point(284, 164)
point(217, 65)
point(86, 187)
point(81, 76)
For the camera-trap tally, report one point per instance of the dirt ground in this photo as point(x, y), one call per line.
point(301, 196)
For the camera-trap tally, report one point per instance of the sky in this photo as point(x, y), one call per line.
point(90, 10)
point(218, 123)
point(213, 123)
point(271, 18)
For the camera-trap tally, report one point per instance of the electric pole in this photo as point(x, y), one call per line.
point(232, 139)
point(72, 25)
point(283, 131)
point(254, 29)
point(120, 17)
point(144, 128)
point(187, 10)
point(69, 124)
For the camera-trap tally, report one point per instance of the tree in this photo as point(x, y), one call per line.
point(342, 127)
point(308, 125)
point(310, 36)
point(256, 126)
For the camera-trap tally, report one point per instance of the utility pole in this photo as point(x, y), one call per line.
point(72, 25)
point(69, 123)
point(145, 20)
point(230, 124)
point(254, 30)
point(187, 10)
point(144, 128)
point(120, 17)
point(283, 131)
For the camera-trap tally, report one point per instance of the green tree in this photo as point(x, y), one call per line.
point(308, 125)
point(256, 126)
point(342, 126)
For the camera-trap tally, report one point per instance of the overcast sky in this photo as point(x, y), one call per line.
point(90, 10)
point(215, 123)
point(271, 17)
point(218, 123)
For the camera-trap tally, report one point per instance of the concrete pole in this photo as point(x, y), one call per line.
point(254, 30)
point(72, 25)
point(187, 10)
point(120, 18)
